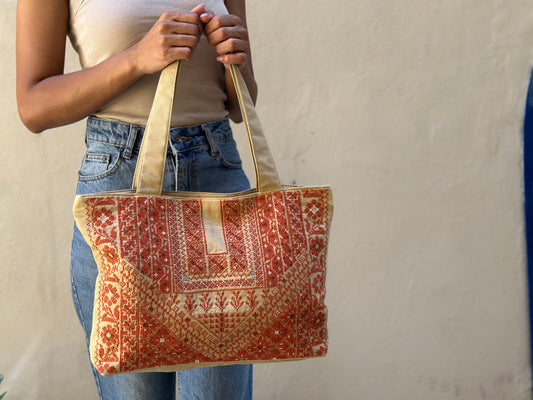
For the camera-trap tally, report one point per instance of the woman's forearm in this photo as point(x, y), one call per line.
point(63, 99)
point(49, 98)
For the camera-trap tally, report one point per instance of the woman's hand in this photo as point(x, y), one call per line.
point(173, 37)
point(229, 36)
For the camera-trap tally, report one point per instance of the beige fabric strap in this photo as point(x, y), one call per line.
point(266, 174)
point(150, 167)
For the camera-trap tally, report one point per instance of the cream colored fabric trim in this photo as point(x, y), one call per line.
point(214, 231)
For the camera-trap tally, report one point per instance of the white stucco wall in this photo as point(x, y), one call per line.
point(412, 111)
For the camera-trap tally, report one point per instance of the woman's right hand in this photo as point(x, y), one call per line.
point(173, 37)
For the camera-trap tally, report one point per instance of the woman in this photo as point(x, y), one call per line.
point(122, 45)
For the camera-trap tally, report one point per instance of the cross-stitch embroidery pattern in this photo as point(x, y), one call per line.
point(196, 282)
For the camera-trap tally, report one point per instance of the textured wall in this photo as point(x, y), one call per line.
point(412, 111)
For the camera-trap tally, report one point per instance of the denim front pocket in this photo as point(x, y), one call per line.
point(100, 160)
point(228, 154)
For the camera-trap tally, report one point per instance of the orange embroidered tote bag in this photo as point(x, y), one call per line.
point(191, 280)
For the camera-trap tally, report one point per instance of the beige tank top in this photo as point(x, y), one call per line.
point(99, 29)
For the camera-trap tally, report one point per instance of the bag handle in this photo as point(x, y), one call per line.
point(149, 172)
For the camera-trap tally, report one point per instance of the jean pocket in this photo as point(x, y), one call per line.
point(99, 161)
point(228, 154)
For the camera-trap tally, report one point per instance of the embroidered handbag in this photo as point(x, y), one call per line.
point(191, 280)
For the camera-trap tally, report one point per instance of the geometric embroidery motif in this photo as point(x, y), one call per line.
point(183, 283)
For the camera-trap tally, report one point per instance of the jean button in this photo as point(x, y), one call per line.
point(180, 139)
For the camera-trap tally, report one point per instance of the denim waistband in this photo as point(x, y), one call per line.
point(129, 136)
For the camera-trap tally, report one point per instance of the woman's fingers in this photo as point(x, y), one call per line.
point(229, 37)
point(180, 40)
point(222, 21)
point(227, 33)
point(199, 9)
point(206, 17)
point(180, 28)
point(173, 37)
point(181, 18)
point(232, 45)
point(237, 58)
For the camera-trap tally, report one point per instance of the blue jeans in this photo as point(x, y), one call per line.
point(202, 158)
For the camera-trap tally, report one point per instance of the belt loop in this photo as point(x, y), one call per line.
point(212, 144)
point(132, 136)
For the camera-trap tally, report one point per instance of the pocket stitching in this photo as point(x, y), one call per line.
point(97, 157)
point(223, 159)
point(113, 167)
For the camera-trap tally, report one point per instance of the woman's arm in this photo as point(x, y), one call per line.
point(48, 98)
point(229, 35)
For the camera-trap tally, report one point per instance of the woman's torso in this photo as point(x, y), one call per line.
point(99, 29)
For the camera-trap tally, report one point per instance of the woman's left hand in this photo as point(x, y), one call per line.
point(229, 36)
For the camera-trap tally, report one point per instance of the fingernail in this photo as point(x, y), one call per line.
point(220, 58)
